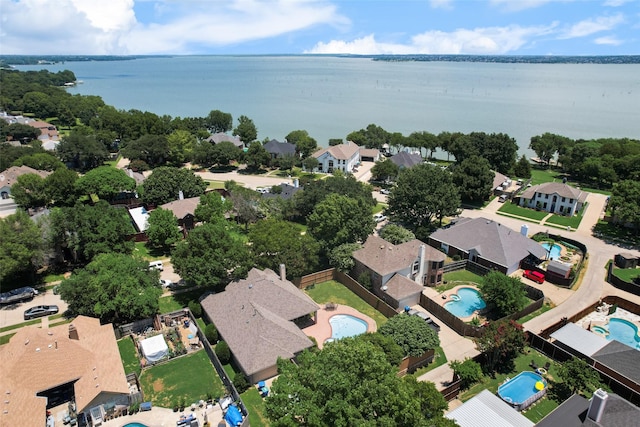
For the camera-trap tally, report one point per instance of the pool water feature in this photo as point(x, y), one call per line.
point(553, 250)
point(621, 330)
point(465, 302)
point(521, 391)
point(345, 325)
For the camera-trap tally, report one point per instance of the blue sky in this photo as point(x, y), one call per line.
point(509, 27)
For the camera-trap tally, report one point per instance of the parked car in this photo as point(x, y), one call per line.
point(536, 276)
point(166, 283)
point(502, 198)
point(17, 295)
point(379, 217)
point(157, 265)
point(384, 191)
point(40, 311)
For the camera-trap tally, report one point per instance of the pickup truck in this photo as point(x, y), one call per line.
point(17, 295)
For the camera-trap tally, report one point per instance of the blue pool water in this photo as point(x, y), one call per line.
point(134, 425)
point(520, 388)
point(623, 331)
point(469, 300)
point(554, 251)
point(344, 325)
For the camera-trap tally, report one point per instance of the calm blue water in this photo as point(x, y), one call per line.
point(519, 389)
point(623, 331)
point(333, 96)
point(470, 301)
point(555, 250)
point(344, 325)
point(134, 425)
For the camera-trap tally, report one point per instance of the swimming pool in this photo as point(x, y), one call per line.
point(465, 302)
point(521, 391)
point(134, 425)
point(553, 251)
point(622, 331)
point(345, 325)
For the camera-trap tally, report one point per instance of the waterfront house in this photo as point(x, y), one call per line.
point(278, 150)
point(406, 160)
point(554, 197)
point(343, 157)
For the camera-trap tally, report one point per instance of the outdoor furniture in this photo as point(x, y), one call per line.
point(330, 306)
point(547, 366)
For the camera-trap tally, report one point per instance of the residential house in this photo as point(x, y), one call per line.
point(554, 197)
point(488, 243)
point(343, 157)
point(287, 193)
point(45, 367)
point(489, 408)
point(278, 150)
point(221, 136)
point(369, 154)
point(9, 176)
point(399, 272)
point(259, 318)
point(184, 210)
point(406, 160)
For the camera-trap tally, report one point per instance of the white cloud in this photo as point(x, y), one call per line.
point(441, 4)
point(616, 3)
point(490, 40)
point(591, 26)
point(608, 40)
point(517, 5)
point(110, 27)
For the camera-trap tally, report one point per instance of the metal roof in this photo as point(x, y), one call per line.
point(487, 410)
point(581, 340)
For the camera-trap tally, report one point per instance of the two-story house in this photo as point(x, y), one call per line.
point(554, 197)
point(343, 157)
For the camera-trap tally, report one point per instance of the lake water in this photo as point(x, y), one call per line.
point(333, 96)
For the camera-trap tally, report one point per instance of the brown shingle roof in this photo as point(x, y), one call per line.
point(183, 207)
point(340, 151)
point(10, 175)
point(400, 287)
point(562, 190)
point(38, 359)
point(384, 258)
point(254, 317)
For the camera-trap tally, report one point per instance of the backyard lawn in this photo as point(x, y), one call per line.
point(179, 300)
point(626, 274)
point(333, 291)
point(462, 276)
point(149, 254)
point(255, 405)
point(513, 209)
point(183, 380)
point(129, 356)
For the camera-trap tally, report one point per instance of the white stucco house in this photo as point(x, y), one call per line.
point(343, 157)
point(554, 197)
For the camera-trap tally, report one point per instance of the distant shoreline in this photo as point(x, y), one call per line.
point(8, 60)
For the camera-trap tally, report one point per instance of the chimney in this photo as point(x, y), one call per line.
point(524, 230)
point(296, 182)
point(73, 332)
point(283, 272)
point(597, 405)
point(421, 260)
point(180, 195)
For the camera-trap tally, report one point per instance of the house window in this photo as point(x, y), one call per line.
point(544, 206)
point(564, 199)
point(434, 264)
point(416, 266)
point(439, 278)
point(570, 200)
point(546, 196)
point(561, 209)
point(330, 163)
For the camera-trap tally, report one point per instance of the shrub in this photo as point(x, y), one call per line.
point(365, 280)
point(469, 371)
point(195, 308)
point(240, 382)
point(223, 353)
point(211, 333)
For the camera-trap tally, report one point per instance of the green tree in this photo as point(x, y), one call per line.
point(396, 234)
point(106, 182)
point(246, 130)
point(578, 376)
point(383, 170)
point(180, 143)
point(339, 219)
point(223, 352)
point(113, 287)
point(506, 294)
point(163, 228)
point(387, 344)
point(211, 333)
point(474, 178)
point(341, 257)
point(422, 193)
point(547, 145)
point(224, 152)
point(424, 141)
point(469, 371)
point(82, 151)
point(245, 205)
point(501, 343)
point(346, 185)
point(29, 191)
point(212, 264)
point(257, 156)
point(20, 132)
point(310, 163)
point(625, 203)
point(305, 144)
point(522, 169)
point(39, 161)
point(61, 187)
point(165, 183)
point(411, 333)
point(151, 149)
point(275, 242)
point(212, 207)
point(21, 249)
point(203, 153)
point(340, 386)
point(218, 121)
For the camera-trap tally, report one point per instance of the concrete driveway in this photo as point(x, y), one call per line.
point(12, 314)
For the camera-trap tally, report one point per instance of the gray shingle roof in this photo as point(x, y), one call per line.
point(573, 413)
point(254, 316)
point(621, 358)
point(221, 136)
point(384, 258)
point(493, 241)
point(562, 190)
point(280, 148)
point(406, 160)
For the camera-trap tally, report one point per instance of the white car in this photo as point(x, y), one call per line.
point(379, 217)
point(384, 191)
point(165, 283)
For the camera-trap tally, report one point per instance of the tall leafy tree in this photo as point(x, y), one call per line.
point(21, 248)
point(474, 178)
point(341, 257)
point(522, 169)
point(578, 376)
point(216, 264)
point(224, 152)
point(113, 287)
point(151, 149)
point(275, 242)
point(507, 294)
point(81, 151)
point(30, 191)
point(257, 156)
point(212, 207)
point(501, 343)
point(246, 130)
point(411, 333)
point(165, 183)
point(422, 193)
point(396, 234)
point(218, 121)
point(180, 143)
point(339, 219)
point(163, 228)
point(424, 141)
point(106, 182)
point(39, 161)
point(625, 202)
point(305, 144)
point(61, 187)
point(383, 170)
point(346, 185)
point(341, 386)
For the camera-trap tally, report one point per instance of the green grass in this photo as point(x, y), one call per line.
point(513, 209)
point(462, 275)
point(53, 277)
point(626, 274)
point(439, 359)
point(188, 379)
point(20, 325)
point(540, 176)
point(5, 338)
point(129, 356)
point(538, 312)
point(179, 300)
point(617, 233)
point(379, 208)
point(568, 221)
point(255, 405)
point(333, 291)
point(216, 185)
point(149, 254)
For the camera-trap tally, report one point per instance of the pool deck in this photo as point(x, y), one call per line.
point(322, 328)
point(601, 318)
point(163, 417)
point(445, 297)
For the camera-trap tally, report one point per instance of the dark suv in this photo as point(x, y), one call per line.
point(40, 311)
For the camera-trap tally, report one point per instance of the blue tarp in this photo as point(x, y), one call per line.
point(233, 416)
